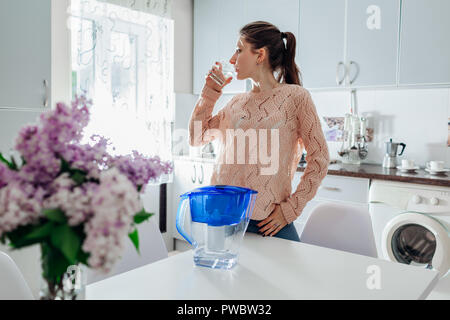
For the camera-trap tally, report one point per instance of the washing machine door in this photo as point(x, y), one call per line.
point(417, 239)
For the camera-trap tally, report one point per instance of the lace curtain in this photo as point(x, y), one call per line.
point(162, 8)
point(123, 60)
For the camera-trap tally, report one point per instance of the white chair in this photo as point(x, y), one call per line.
point(12, 283)
point(151, 246)
point(341, 227)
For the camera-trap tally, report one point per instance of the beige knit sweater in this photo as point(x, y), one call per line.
point(275, 125)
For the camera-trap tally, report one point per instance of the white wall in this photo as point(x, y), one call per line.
point(417, 117)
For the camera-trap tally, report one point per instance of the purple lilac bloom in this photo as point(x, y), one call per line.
point(139, 169)
point(6, 175)
point(114, 204)
point(17, 207)
point(105, 209)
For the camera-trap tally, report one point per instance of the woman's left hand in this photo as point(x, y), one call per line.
point(273, 223)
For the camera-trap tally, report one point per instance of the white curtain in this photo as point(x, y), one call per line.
point(123, 60)
point(162, 8)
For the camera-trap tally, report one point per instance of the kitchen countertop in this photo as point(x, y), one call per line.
point(373, 171)
point(369, 171)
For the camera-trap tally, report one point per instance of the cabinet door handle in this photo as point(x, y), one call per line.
point(194, 176)
point(340, 81)
point(46, 95)
point(201, 180)
point(357, 70)
point(330, 188)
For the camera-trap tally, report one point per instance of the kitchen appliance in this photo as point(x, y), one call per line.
point(411, 225)
point(213, 219)
point(354, 143)
point(390, 158)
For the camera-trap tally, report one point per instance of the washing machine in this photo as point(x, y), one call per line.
point(411, 225)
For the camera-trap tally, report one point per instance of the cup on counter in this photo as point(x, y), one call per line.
point(435, 165)
point(407, 164)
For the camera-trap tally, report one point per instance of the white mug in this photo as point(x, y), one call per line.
point(407, 164)
point(435, 165)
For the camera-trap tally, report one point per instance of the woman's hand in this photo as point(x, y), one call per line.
point(273, 223)
point(215, 78)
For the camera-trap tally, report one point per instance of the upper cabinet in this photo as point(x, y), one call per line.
point(216, 31)
point(340, 43)
point(321, 43)
point(372, 42)
point(348, 42)
point(425, 42)
point(25, 55)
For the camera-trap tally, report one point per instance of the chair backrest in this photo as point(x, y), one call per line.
point(151, 247)
point(341, 227)
point(12, 283)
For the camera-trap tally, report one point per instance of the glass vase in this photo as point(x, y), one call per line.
point(71, 286)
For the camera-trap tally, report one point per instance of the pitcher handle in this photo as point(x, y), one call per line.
point(403, 148)
point(181, 217)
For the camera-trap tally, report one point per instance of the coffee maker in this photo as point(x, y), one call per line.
point(390, 159)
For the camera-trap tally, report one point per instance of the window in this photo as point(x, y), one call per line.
point(123, 60)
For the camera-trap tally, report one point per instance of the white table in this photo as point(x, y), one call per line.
point(271, 268)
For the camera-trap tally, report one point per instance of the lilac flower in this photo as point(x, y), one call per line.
point(139, 169)
point(104, 204)
point(114, 203)
point(91, 159)
point(17, 207)
point(74, 201)
point(6, 175)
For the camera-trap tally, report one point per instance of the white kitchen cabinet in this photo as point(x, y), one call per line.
point(425, 42)
point(188, 175)
point(321, 43)
point(216, 31)
point(348, 190)
point(25, 55)
point(348, 43)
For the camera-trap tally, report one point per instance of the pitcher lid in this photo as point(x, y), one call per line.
point(220, 189)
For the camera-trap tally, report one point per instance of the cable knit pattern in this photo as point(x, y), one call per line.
point(288, 108)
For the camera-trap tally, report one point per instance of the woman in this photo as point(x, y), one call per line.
point(280, 105)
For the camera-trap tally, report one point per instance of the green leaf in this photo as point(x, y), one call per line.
point(83, 257)
point(134, 236)
point(18, 237)
point(141, 216)
point(65, 167)
point(54, 263)
point(56, 215)
point(40, 232)
point(78, 176)
point(10, 165)
point(67, 241)
point(14, 164)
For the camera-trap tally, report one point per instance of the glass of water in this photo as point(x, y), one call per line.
point(228, 69)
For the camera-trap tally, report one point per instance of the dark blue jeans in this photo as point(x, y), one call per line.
point(288, 232)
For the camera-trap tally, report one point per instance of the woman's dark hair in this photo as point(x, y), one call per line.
point(282, 59)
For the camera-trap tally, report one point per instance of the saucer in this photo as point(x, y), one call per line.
point(436, 171)
point(407, 169)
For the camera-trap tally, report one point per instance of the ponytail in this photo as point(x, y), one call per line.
point(289, 70)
